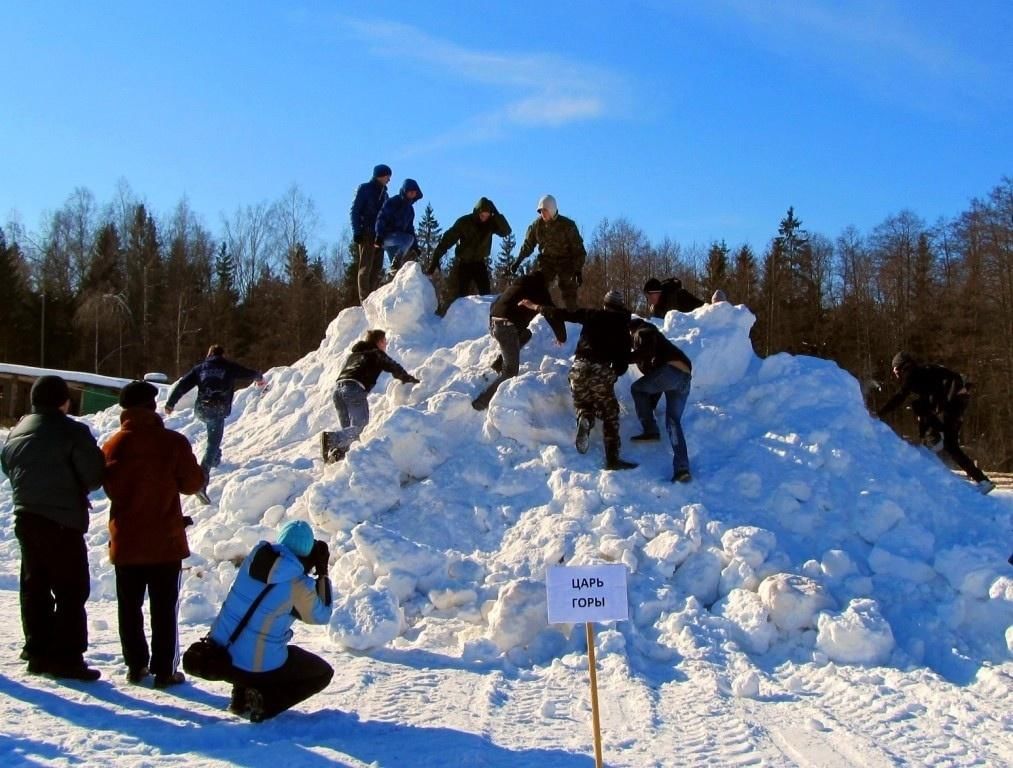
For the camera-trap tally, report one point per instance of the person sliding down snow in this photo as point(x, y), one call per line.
point(942, 398)
point(367, 360)
point(601, 357)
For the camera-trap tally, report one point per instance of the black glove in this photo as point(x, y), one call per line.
point(320, 556)
point(412, 380)
point(578, 278)
point(187, 521)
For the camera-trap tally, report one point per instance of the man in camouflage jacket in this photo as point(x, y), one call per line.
point(561, 251)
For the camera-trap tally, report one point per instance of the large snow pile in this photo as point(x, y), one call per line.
point(809, 533)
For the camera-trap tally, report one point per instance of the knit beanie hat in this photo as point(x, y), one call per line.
point(652, 285)
point(138, 394)
point(49, 392)
point(297, 536)
point(547, 202)
point(381, 170)
point(614, 300)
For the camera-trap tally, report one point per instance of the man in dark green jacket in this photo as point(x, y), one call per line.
point(53, 463)
point(473, 235)
point(561, 251)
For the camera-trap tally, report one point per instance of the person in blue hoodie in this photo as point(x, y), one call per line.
point(268, 674)
point(215, 378)
point(395, 226)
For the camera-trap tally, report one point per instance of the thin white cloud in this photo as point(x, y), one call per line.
point(540, 89)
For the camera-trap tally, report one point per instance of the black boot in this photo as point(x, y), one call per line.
point(612, 460)
point(585, 424)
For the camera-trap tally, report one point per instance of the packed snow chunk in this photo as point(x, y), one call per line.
point(519, 614)
point(1002, 589)
point(700, 575)
point(837, 564)
point(451, 598)
point(903, 553)
point(875, 515)
point(248, 493)
point(858, 635)
point(403, 305)
point(746, 685)
point(387, 551)
point(416, 438)
point(716, 338)
point(793, 601)
point(367, 618)
point(750, 619)
point(970, 570)
point(362, 485)
point(738, 575)
point(669, 550)
point(748, 543)
point(535, 409)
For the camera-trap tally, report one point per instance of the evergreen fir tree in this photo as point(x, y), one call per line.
point(428, 233)
point(501, 267)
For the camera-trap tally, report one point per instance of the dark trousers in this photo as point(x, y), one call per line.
point(161, 582)
point(949, 428)
point(510, 339)
point(469, 273)
point(370, 266)
point(55, 585)
point(302, 675)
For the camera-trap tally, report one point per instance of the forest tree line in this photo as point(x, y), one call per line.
point(120, 290)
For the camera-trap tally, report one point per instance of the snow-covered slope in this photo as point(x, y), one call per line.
point(816, 564)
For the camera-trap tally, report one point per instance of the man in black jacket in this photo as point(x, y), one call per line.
point(53, 463)
point(665, 295)
point(508, 325)
point(942, 398)
point(667, 371)
point(602, 356)
point(367, 360)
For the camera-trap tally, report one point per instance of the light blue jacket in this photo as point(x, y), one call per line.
point(263, 643)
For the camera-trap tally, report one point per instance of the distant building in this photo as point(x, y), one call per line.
point(89, 392)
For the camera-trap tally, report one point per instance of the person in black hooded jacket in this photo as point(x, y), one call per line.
point(663, 296)
point(366, 361)
point(941, 400)
point(53, 462)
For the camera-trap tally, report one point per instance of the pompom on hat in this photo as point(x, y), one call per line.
point(297, 537)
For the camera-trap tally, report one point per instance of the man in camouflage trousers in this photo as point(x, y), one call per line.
point(561, 251)
point(601, 357)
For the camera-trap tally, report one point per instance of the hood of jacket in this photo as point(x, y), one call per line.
point(410, 185)
point(275, 564)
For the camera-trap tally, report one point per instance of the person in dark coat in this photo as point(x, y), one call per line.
point(509, 318)
point(369, 199)
point(663, 296)
point(602, 356)
point(941, 400)
point(366, 361)
point(269, 675)
point(561, 252)
point(666, 371)
point(473, 235)
point(53, 462)
point(147, 468)
point(215, 379)
point(395, 226)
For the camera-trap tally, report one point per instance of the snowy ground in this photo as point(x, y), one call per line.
point(822, 594)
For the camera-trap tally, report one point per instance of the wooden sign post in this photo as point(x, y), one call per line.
point(586, 594)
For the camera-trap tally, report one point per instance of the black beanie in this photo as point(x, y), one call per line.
point(49, 392)
point(138, 394)
point(381, 170)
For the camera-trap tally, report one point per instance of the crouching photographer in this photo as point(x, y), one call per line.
point(274, 588)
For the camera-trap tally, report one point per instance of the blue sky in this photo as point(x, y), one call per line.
point(697, 121)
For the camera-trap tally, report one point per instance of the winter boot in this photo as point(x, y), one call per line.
point(681, 476)
point(986, 486)
point(585, 423)
point(497, 364)
point(612, 460)
point(237, 703)
point(255, 705)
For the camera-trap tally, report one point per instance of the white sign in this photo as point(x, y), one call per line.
point(586, 593)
